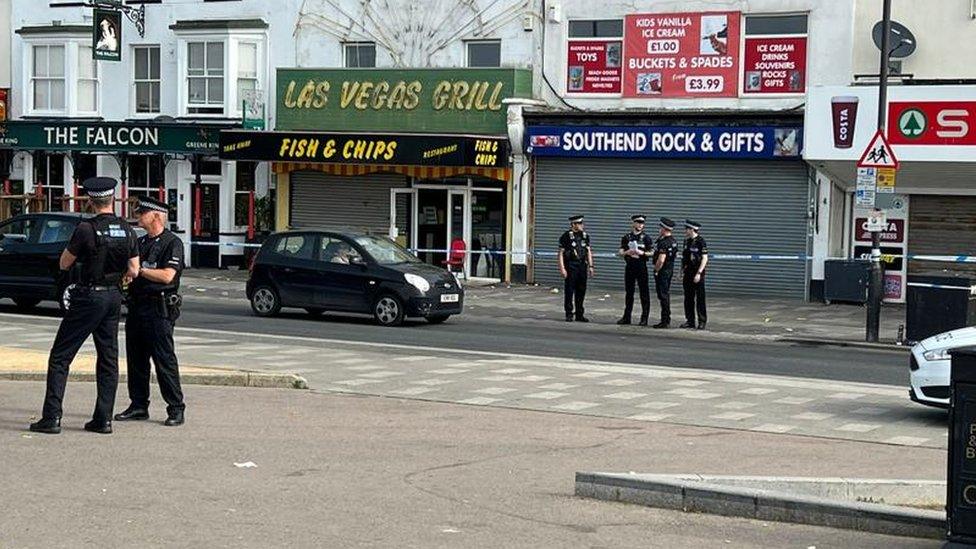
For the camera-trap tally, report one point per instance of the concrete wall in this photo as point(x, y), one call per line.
point(945, 31)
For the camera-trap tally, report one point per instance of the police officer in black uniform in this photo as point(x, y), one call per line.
point(106, 249)
point(154, 305)
point(665, 250)
point(575, 266)
point(636, 247)
point(694, 259)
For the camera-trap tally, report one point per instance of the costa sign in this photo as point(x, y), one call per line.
point(932, 123)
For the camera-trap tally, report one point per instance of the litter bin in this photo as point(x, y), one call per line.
point(846, 280)
point(937, 302)
point(961, 478)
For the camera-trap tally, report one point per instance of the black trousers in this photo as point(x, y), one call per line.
point(149, 335)
point(574, 287)
point(92, 313)
point(662, 285)
point(694, 298)
point(635, 273)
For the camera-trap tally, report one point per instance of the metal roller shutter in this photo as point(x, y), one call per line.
point(744, 206)
point(941, 225)
point(358, 203)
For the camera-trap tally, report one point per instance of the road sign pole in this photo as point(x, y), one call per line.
point(875, 293)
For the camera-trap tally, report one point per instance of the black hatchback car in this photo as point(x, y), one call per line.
point(353, 273)
point(30, 247)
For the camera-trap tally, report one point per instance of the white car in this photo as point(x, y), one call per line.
point(930, 366)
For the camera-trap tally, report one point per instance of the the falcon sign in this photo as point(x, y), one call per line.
point(932, 123)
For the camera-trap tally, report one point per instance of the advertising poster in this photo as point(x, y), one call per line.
point(107, 35)
point(594, 66)
point(681, 55)
point(774, 65)
point(894, 242)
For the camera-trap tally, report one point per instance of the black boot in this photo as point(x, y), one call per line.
point(623, 321)
point(48, 426)
point(688, 325)
point(661, 325)
point(701, 325)
point(582, 319)
point(643, 322)
point(133, 413)
point(174, 419)
point(99, 426)
point(569, 317)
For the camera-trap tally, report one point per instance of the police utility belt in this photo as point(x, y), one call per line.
point(169, 303)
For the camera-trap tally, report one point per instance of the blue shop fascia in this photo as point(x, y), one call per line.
point(741, 175)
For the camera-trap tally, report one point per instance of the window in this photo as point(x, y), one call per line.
point(242, 191)
point(21, 226)
point(207, 167)
point(50, 175)
point(338, 251)
point(602, 28)
point(47, 80)
point(87, 80)
point(247, 69)
point(360, 54)
point(776, 24)
point(205, 77)
point(146, 78)
point(56, 230)
point(298, 246)
point(484, 53)
point(145, 175)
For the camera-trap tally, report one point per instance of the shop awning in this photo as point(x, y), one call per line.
point(419, 155)
point(97, 136)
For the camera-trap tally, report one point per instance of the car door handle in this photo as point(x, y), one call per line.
point(288, 270)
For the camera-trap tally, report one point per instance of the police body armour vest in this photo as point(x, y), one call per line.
point(112, 248)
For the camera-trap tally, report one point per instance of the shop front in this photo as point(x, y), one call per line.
point(172, 161)
point(740, 177)
point(419, 155)
point(427, 192)
point(931, 205)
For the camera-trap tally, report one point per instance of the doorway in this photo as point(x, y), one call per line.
point(206, 225)
point(434, 217)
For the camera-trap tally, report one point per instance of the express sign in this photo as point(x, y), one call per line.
point(932, 123)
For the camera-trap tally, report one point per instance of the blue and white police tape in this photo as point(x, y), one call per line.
point(605, 255)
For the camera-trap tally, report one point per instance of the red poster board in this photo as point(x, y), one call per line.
point(593, 66)
point(946, 123)
point(775, 65)
point(681, 55)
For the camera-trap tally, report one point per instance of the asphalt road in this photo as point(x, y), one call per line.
point(482, 332)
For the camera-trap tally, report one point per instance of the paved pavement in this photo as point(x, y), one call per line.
point(353, 471)
point(643, 392)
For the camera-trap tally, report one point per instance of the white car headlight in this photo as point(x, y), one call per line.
point(936, 354)
point(418, 282)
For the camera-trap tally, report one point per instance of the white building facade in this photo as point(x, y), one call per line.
point(179, 83)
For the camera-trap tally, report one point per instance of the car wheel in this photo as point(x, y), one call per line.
point(437, 319)
point(25, 304)
point(314, 311)
point(388, 310)
point(265, 302)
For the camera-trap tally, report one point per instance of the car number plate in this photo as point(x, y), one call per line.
point(449, 298)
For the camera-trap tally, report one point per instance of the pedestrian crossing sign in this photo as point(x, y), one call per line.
point(878, 154)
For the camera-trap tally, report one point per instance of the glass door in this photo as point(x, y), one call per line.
point(459, 230)
point(403, 217)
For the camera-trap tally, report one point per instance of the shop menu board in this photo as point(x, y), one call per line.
point(681, 55)
point(774, 65)
point(593, 66)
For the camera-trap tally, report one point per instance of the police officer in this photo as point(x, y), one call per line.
point(665, 250)
point(575, 266)
point(694, 259)
point(154, 305)
point(106, 248)
point(636, 248)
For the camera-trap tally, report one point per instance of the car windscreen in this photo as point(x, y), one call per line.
point(384, 251)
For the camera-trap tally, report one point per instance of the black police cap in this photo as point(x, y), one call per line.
point(99, 187)
point(575, 218)
point(148, 204)
point(638, 218)
point(667, 224)
point(689, 224)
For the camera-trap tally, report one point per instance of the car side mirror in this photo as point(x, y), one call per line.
point(357, 260)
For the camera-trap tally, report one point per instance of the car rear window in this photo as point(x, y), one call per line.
point(296, 246)
point(56, 231)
